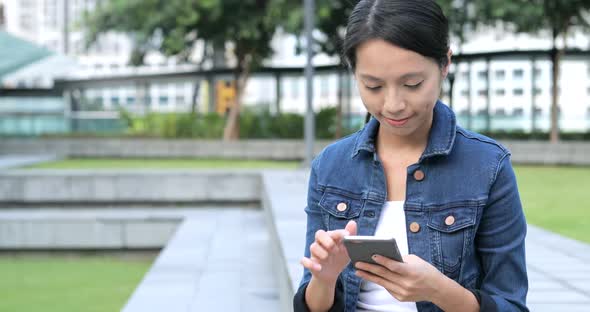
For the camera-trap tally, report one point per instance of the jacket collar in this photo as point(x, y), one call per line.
point(440, 140)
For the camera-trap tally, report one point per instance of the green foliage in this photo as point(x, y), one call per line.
point(173, 26)
point(254, 124)
point(532, 16)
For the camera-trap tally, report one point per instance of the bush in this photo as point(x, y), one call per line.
point(254, 124)
point(258, 123)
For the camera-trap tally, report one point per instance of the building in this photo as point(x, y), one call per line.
point(510, 81)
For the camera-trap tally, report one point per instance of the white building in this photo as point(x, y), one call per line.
point(510, 80)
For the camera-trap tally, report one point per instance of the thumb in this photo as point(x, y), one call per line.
point(351, 227)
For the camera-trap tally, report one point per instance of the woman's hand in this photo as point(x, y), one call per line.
point(412, 280)
point(328, 254)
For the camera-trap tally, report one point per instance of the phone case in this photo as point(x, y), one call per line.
point(362, 249)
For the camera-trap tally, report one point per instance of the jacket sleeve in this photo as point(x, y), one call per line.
point(314, 223)
point(500, 243)
point(299, 304)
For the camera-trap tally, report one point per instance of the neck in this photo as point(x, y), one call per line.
point(388, 142)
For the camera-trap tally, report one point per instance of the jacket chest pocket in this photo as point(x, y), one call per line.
point(451, 233)
point(338, 209)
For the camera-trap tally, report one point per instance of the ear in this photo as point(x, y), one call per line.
point(446, 69)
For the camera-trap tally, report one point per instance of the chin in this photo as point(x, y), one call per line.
point(407, 130)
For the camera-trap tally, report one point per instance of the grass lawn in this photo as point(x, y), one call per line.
point(557, 199)
point(62, 284)
point(108, 163)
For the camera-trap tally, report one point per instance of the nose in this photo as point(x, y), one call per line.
point(394, 103)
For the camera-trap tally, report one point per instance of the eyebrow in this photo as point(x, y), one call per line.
point(376, 79)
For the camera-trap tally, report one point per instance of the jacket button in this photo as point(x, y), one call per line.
point(414, 227)
point(450, 220)
point(341, 207)
point(419, 175)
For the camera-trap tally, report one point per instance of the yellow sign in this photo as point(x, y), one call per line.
point(226, 96)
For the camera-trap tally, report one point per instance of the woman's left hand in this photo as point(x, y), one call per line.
point(413, 280)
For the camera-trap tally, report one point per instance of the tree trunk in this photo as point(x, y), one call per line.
point(195, 97)
point(231, 132)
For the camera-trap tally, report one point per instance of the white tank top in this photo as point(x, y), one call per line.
point(372, 297)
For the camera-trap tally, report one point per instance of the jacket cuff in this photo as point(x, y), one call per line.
point(486, 302)
point(299, 304)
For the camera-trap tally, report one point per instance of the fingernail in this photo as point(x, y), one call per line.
point(374, 257)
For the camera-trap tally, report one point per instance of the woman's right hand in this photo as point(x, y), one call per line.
point(328, 256)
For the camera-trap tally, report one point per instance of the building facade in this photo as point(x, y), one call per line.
point(519, 89)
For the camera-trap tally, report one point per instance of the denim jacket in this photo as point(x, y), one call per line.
point(460, 174)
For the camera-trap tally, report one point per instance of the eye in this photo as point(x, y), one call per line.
point(373, 89)
point(414, 86)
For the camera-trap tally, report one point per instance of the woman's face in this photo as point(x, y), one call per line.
point(398, 87)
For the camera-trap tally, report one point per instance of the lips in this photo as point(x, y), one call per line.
point(397, 122)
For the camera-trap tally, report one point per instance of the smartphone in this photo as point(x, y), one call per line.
point(362, 248)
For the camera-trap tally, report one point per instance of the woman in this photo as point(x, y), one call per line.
point(448, 195)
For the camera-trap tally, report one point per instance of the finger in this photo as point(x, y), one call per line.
point(351, 227)
point(377, 270)
point(388, 285)
point(390, 264)
point(338, 235)
point(318, 251)
point(325, 240)
point(311, 265)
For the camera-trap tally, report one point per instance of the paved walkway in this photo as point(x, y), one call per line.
point(218, 259)
point(12, 161)
point(558, 270)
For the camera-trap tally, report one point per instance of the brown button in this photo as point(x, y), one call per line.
point(341, 207)
point(414, 227)
point(419, 175)
point(450, 220)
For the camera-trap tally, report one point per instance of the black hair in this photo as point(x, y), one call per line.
point(416, 25)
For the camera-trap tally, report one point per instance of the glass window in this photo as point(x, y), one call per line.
point(500, 74)
point(500, 112)
point(518, 74)
point(500, 92)
point(483, 74)
point(465, 75)
point(518, 91)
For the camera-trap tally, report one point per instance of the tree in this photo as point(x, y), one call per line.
point(331, 20)
point(558, 17)
point(330, 23)
point(174, 26)
point(460, 14)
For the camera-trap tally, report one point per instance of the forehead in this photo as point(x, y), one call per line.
point(383, 59)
